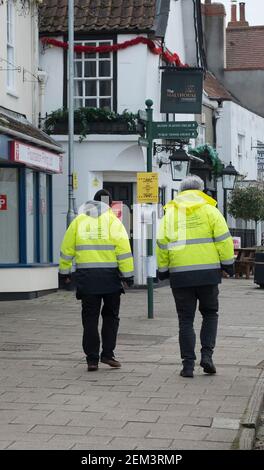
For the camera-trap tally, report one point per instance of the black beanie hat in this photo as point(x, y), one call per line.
point(101, 195)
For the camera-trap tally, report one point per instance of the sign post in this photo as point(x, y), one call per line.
point(149, 111)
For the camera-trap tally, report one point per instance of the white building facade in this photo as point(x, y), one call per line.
point(131, 76)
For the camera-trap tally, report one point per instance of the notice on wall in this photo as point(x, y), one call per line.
point(3, 202)
point(147, 188)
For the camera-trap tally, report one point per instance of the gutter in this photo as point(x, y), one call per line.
point(33, 140)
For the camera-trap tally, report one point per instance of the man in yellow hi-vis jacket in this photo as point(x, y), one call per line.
point(99, 243)
point(193, 246)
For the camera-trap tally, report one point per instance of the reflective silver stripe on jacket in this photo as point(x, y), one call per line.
point(162, 247)
point(64, 271)
point(66, 257)
point(228, 261)
point(163, 270)
point(222, 237)
point(193, 241)
point(195, 267)
point(96, 265)
point(129, 274)
point(94, 247)
point(124, 256)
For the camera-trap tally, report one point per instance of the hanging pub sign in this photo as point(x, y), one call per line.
point(181, 90)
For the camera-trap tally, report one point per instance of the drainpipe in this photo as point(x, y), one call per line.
point(42, 77)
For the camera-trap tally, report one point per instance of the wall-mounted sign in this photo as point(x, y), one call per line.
point(181, 91)
point(147, 188)
point(3, 202)
point(35, 157)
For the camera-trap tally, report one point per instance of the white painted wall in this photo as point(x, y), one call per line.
point(24, 97)
point(28, 279)
point(175, 35)
point(51, 61)
point(237, 120)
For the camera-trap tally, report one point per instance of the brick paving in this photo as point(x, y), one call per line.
point(48, 400)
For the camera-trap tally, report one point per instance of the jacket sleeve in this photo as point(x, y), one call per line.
point(162, 250)
point(223, 240)
point(122, 249)
point(67, 252)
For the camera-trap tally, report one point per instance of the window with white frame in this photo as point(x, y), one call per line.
point(93, 77)
point(240, 151)
point(10, 45)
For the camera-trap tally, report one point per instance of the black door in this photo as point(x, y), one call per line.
point(123, 192)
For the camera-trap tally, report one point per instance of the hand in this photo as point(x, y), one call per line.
point(228, 269)
point(66, 278)
point(127, 282)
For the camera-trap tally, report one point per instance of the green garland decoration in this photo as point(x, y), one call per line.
point(209, 151)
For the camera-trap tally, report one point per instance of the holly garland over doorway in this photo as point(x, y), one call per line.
point(166, 55)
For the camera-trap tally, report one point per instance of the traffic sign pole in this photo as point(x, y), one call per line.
point(149, 112)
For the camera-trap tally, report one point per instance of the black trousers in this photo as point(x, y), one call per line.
point(91, 308)
point(186, 301)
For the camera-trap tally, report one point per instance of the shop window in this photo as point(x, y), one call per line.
point(31, 182)
point(93, 77)
point(44, 217)
point(9, 226)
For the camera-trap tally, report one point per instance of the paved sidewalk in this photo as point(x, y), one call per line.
point(49, 401)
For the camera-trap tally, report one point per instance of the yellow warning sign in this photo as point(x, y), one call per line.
point(147, 188)
point(74, 180)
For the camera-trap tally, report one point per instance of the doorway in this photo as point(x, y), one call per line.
point(123, 192)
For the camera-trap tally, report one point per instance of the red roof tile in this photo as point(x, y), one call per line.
point(215, 90)
point(245, 48)
point(98, 15)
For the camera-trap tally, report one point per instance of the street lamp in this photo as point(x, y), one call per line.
point(179, 159)
point(180, 164)
point(229, 177)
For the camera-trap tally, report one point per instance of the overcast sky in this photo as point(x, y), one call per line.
point(254, 10)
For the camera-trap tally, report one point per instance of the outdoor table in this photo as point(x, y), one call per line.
point(244, 262)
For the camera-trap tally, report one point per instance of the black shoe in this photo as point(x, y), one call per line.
point(186, 372)
point(208, 365)
point(92, 366)
point(112, 362)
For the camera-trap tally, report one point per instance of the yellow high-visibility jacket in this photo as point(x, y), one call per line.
point(193, 241)
point(98, 242)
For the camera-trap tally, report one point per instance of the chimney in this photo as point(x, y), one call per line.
point(214, 36)
point(233, 13)
point(242, 18)
point(235, 22)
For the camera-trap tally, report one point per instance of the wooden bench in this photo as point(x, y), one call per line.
point(244, 263)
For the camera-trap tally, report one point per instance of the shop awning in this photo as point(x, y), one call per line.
point(19, 128)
